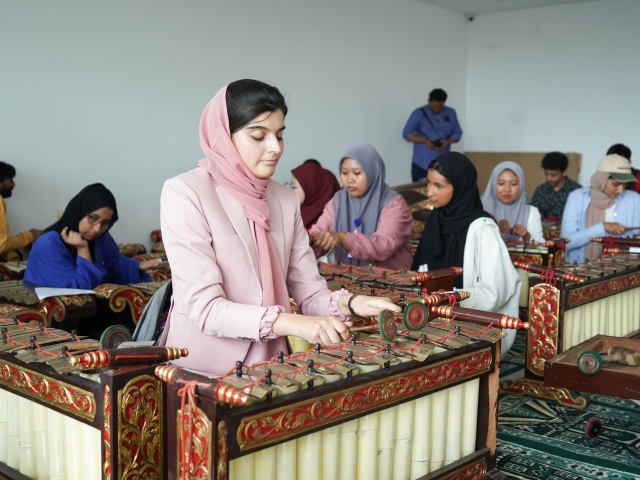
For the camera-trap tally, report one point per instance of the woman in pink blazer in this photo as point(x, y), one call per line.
point(237, 245)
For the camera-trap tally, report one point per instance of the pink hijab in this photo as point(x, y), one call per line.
point(224, 164)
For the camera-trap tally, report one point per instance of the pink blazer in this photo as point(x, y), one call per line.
point(216, 307)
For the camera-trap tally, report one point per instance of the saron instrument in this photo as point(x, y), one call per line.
point(97, 417)
point(570, 305)
point(421, 403)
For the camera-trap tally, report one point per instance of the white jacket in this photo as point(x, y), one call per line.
point(489, 275)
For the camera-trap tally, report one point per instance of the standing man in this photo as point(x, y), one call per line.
point(10, 244)
point(432, 129)
point(551, 196)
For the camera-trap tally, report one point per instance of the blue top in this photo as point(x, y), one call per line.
point(626, 212)
point(443, 125)
point(50, 264)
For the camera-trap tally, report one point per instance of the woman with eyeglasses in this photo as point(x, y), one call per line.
point(78, 252)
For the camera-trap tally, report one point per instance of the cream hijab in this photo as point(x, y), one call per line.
point(596, 210)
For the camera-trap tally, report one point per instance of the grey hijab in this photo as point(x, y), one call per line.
point(516, 213)
point(366, 208)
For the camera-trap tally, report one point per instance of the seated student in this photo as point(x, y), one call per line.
point(78, 252)
point(504, 199)
point(550, 197)
point(601, 209)
point(624, 151)
point(459, 233)
point(314, 186)
point(365, 222)
point(9, 244)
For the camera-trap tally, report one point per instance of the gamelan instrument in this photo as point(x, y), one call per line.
point(12, 270)
point(572, 304)
point(128, 300)
point(400, 286)
point(619, 244)
point(71, 411)
point(549, 254)
point(604, 365)
point(111, 303)
point(63, 311)
point(423, 403)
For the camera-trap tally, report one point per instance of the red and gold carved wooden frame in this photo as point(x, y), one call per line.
point(140, 429)
point(8, 274)
point(581, 295)
point(200, 454)
point(558, 261)
point(222, 471)
point(542, 336)
point(131, 249)
point(23, 314)
point(67, 397)
point(283, 423)
point(535, 259)
point(473, 471)
point(106, 434)
point(159, 275)
point(121, 296)
point(55, 308)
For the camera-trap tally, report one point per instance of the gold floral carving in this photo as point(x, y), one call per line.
point(106, 434)
point(559, 260)
point(542, 336)
point(589, 293)
point(282, 423)
point(78, 300)
point(67, 397)
point(537, 388)
point(475, 471)
point(200, 453)
point(223, 452)
point(140, 429)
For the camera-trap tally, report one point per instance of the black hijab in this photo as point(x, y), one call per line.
point(445, 233)
point(91, 198)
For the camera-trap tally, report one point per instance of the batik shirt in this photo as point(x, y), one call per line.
point(550, 202)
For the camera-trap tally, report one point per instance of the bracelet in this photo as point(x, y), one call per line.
point(349, 305)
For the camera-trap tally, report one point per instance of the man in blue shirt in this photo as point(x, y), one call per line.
point(432, 129)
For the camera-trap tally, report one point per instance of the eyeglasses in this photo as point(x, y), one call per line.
point(96, 220)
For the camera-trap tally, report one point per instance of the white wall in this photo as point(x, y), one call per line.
point(113, 91)
point(556, 78)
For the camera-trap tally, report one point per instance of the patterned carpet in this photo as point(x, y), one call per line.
point(539, 439)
